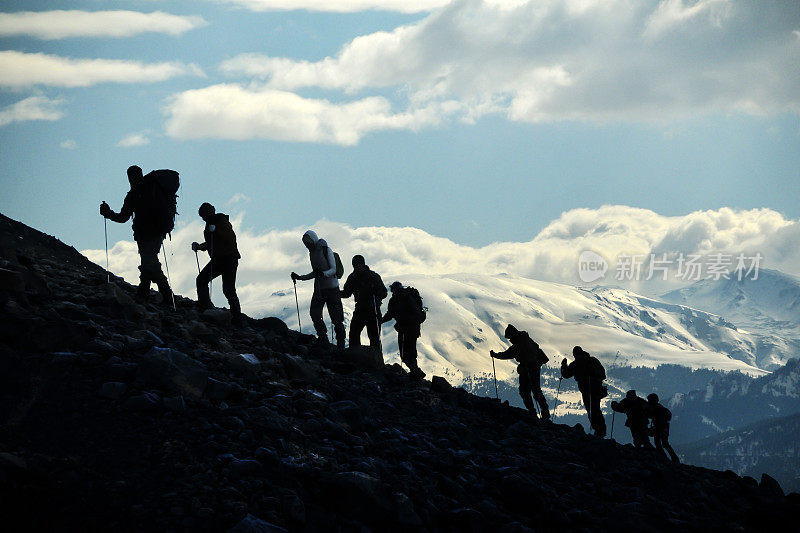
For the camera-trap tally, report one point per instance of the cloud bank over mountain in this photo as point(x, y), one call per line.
point(552, 255)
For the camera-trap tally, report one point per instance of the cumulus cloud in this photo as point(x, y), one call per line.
point(341, 6)
point(60, 24)
point(231, 111)
point(20, 69)
point(32, 108)
point(134, 139)
point(69, 144)
point(551, 60)
point(269, 256)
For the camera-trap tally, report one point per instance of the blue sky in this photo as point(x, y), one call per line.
point(474, 122)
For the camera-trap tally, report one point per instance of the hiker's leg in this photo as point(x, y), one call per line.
point(357, 324)
point(334, 302)
point(315, 310)
point(228, 273)
point(373, 333)
point(525, 390)
point(665, 441)
point(538, 395)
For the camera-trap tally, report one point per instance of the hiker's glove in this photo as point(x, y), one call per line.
point(105, 210)
point(491, 353)
point(295, 277)
point(614, 405)
point(195, 246)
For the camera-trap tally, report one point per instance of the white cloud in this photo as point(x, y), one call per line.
point(19, 69)
point(69, 144)
point(551, 60)
point(352, 6)
point(238, 198)
point(230, 111)
point(268, 257)
point(61, 24)
point(32, 108)
point(134, 139)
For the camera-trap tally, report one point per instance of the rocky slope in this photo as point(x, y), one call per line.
point(119, 416)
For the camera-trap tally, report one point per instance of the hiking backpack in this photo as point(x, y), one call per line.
point(338, 261)
point(161, 199)
point(414, 308)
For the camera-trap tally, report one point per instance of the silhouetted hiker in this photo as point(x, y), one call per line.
point(405, 307)
point(530, 358)
point(369, 291)
point(220, 243)
point(636, 410)
point(661, 417)
point(324, 272)
point(589, 373)
point(151, 202)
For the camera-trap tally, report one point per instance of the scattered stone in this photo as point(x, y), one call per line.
point(142, 402)
point(251, 524)
point(113, 390)
point(172, 371)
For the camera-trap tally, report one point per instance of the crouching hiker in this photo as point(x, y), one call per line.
point(636, 410)
point(589, 373)
point(405, 307)
point(531, 358)
point(220, 243)
point(661, 417)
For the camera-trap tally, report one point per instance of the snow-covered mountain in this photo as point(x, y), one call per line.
point(735, 400)
point(768, 308)
point(469, 312)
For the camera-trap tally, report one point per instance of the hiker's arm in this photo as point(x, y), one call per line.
point(506, 354)
point(347, 290)
point(306, 277)
point(567, 371)
point(124, 214)
point(331, 271)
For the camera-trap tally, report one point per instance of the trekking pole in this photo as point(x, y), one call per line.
point(108, 272)
point(378, 321)
point(494, 373)
point(198, 261)
point(558, 392)
point(211, 268)
point(297, 303)
point(164, 250)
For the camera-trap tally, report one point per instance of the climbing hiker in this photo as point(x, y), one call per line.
point(405, 307)
point(325, 271)
point(151, 201)
point(589, 373)
point(367, 287)
point(220, 243)
point(661, 417)
point(636, 410)
point(530, 358)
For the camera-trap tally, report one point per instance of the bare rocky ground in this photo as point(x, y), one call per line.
point(117, 416)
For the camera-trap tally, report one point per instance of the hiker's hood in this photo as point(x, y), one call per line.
point(310, 237)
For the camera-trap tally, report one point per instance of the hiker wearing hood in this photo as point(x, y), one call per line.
point(220, 243)
point(589, 373)
point(368, 289)
point(661, 417)
point(636, 410)
point(530, 359)
point(150, 226)
point(326, 288)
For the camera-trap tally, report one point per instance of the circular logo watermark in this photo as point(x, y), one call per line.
point(591, 266)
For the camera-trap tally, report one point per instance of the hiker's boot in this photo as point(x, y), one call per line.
point(166, 295)
point(143, 292)
point(545, 412)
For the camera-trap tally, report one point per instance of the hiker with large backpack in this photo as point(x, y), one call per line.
point(636, 410)
point(530, 358)
point(220, 243)
point(590, 374)
point(661, 417)
point(367, 287)
point(326, 270)
point(406, 309)
point(152, 202)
